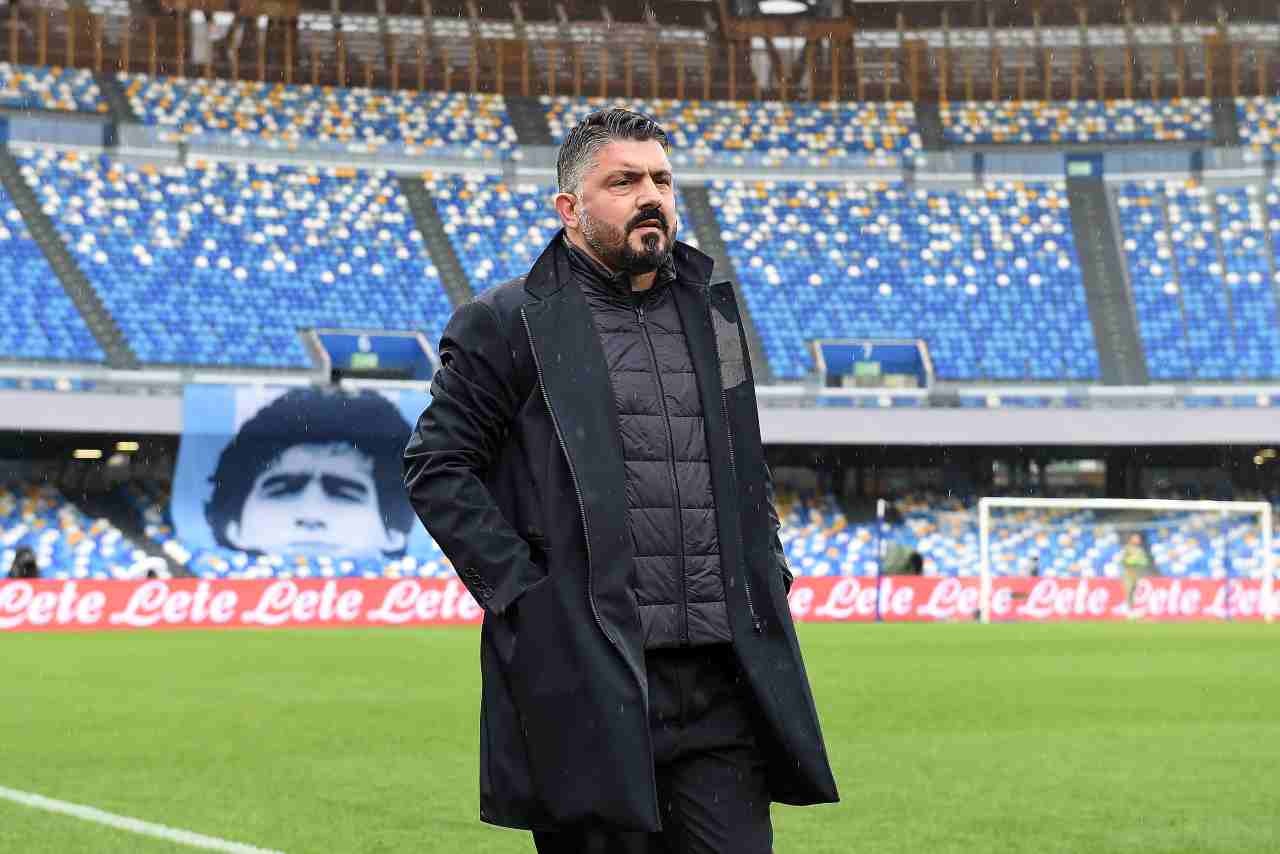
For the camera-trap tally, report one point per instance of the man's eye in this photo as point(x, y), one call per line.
point(282, 486)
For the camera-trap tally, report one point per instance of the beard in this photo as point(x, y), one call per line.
point(612, 245)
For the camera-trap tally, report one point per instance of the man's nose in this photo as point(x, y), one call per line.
point(649, 198)
point(309, 523)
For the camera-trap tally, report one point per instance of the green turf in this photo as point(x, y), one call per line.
point(957, 738)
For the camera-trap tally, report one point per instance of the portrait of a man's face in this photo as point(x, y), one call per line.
point(315, 499)
point(315, 472)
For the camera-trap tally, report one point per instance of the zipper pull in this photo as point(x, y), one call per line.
point(640, 313)
point(757, 624)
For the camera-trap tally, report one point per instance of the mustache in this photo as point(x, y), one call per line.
point(655, 215)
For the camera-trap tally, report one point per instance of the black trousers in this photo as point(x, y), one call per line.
point(711, 778)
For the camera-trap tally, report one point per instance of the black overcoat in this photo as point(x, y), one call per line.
point(516, 470)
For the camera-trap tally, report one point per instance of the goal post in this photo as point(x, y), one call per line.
point(1262, 510)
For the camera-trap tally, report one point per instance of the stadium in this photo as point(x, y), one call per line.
point(1008, 279)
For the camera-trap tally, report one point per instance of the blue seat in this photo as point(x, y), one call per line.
point(754, 132)
point(1201, 279)
point(222, 265)
point(26, 87)
point(182, 107)
point(1062, 122)
point(41, 321)
point(988, 277)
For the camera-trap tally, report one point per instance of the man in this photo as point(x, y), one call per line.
point(1137, 565)
point(314, 472)
point(591, 464)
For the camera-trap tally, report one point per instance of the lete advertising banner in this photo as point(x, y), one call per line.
point(47, 605)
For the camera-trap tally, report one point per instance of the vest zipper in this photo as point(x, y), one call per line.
point(582, 510)
point(675, 481)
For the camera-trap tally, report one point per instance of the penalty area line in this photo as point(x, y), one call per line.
point(132, 825)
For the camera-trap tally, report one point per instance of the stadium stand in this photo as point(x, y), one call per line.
point(1201, 274)
point(261, 251)
point(1248, 266)
point(1210, 342)
point(1060, 122)
point(820, 540)
point(988, 276)
point(746, 132)
point(181, 108)
point(34, 87)
point(41, 321)
point(1154, 280)
point(1259, 123)
point(498, 229)
point(67, 543)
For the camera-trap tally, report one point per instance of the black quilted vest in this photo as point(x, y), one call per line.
point(671, 512)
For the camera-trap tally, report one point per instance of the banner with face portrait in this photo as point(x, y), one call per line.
point(297, 471)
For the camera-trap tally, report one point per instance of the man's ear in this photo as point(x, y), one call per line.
point(232, 535)
point(566, 205)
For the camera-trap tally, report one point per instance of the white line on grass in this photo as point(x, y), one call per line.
point(133, 825)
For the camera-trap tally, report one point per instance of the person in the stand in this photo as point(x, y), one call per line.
point(24, 564)
point(315, 472)
point(591, 463)
point(915, 563)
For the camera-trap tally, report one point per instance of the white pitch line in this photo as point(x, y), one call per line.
point(133, 825)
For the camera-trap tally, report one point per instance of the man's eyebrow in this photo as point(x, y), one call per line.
point(295, 481)
point(630, 169)
point(335, 483)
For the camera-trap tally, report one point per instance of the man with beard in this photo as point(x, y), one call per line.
point(591, 463)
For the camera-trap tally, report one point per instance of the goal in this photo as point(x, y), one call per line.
point(1126, 540)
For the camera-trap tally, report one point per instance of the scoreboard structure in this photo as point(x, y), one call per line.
point(380, 355)
point(874, 363)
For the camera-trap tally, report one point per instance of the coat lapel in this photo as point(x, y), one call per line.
point(575, 381)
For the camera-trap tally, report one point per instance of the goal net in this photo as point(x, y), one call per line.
point(1102, 558)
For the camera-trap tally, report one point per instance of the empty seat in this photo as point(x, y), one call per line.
point(223, 265)
point(41, 321)
point(274, 112)
point(49, 88)
point(1059, 122)
point(758, 132)
point(988, 277)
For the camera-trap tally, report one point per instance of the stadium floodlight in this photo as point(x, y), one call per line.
point(781, 7)
point(1222, 510)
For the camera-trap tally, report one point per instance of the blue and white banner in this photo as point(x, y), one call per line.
point(296, 470)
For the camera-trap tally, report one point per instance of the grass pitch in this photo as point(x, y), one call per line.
point(955, 738)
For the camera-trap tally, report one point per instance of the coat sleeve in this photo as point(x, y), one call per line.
point(457, 438)
point(779, 554)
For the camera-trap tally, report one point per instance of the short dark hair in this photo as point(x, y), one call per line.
point(585, 139)
point(312, 416)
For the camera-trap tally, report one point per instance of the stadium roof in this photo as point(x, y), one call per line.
point(868, 14)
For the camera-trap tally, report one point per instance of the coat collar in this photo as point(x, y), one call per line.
point(552, 271)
